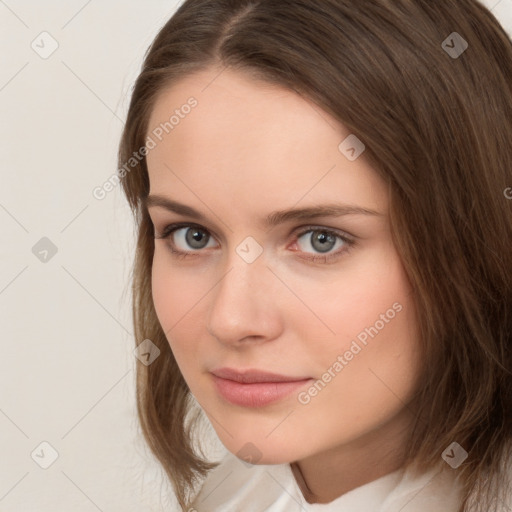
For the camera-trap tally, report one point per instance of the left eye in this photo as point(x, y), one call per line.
point(322, 241)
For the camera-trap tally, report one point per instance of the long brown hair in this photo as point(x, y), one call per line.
point(427, 86)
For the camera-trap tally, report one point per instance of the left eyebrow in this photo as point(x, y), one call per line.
point(274, 218)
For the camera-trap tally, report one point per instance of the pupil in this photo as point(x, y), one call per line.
point(324, 239)
point(194, 238)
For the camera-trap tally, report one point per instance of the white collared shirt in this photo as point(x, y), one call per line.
point(236, 486)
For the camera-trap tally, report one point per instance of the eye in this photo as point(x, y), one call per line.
point(184, 237)
point(323, 241)
point(187, 240)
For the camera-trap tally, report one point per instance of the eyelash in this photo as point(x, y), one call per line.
point(326, 258)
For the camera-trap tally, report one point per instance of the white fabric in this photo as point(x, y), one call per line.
point(236, 486)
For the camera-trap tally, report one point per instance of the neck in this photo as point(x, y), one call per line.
point(326, 476)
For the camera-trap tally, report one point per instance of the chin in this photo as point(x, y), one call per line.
point(262, 453)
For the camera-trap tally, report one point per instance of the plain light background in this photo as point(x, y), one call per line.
point(67, 366)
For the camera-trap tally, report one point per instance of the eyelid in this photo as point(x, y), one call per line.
point(175, 226)
point(347, 238)
point(297, 232)
point(312, 227)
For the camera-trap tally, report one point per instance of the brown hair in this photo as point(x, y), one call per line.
point(438, 129)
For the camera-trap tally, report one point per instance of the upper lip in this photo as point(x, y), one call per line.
point(252, 376)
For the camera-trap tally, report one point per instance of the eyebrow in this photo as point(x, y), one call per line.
point(273, 219)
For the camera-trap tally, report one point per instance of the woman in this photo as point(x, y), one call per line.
point(324, 258)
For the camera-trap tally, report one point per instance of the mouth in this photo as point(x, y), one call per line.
point(255, 388)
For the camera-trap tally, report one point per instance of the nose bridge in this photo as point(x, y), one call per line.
point(242, 280)
point(241, 300)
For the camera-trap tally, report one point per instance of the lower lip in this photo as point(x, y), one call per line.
point(257, 394)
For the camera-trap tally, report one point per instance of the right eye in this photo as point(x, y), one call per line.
point(186, 239)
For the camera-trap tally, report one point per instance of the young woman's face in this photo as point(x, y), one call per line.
point(319, 298)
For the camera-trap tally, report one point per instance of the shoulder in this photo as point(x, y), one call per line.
point(438, 489)
point(441, 489)
point(499, 486)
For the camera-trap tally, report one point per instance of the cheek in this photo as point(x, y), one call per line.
point(369, 298)
point(175, 290)
point(164, 285)
point(176, 295)
point(369, 385)
point(373, 315)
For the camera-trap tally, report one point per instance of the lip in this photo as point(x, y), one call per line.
point(253, 376)
point(254, 388)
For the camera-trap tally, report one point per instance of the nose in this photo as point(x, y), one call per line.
point(245, 304)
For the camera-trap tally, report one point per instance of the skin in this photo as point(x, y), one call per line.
point(248, 149)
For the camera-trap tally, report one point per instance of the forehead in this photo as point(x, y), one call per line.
point(234, 104)
point(252, 138)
